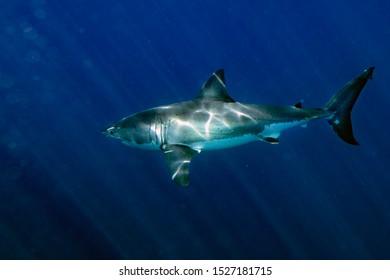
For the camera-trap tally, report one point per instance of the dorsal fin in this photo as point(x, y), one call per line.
point(215, 88)
point(298, 105)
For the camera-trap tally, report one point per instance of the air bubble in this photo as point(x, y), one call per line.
point(40, 14)
point(12, 146)
point(32, 56)
point(29, 33)
point(10, 30)
point(87, 63)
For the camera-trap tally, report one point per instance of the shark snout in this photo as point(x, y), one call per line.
point(104, 131)
point(108, 131)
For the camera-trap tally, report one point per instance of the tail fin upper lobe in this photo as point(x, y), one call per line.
point(341, 104)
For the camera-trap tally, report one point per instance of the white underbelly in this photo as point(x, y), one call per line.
point(274, 130)
point(223, 143)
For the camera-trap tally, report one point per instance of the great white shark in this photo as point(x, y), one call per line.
point(214, 120)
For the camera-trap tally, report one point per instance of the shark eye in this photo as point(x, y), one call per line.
point(111, 132)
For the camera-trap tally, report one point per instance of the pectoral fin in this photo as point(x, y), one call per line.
point(178, 159)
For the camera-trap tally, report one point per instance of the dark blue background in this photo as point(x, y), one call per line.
point(70, 68)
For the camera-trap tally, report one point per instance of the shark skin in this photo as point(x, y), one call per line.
point(213, 120)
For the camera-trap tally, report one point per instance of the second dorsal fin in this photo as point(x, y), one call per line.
point(298, 105)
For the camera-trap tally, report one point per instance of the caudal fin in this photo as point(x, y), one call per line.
point(341, 104)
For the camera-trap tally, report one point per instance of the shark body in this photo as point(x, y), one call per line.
point(213, 120)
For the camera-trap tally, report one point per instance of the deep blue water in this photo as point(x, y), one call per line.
point(70, 68)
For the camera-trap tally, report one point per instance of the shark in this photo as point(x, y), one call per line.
point(214, 120)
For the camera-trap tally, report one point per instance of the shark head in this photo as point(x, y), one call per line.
point(133, 131)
